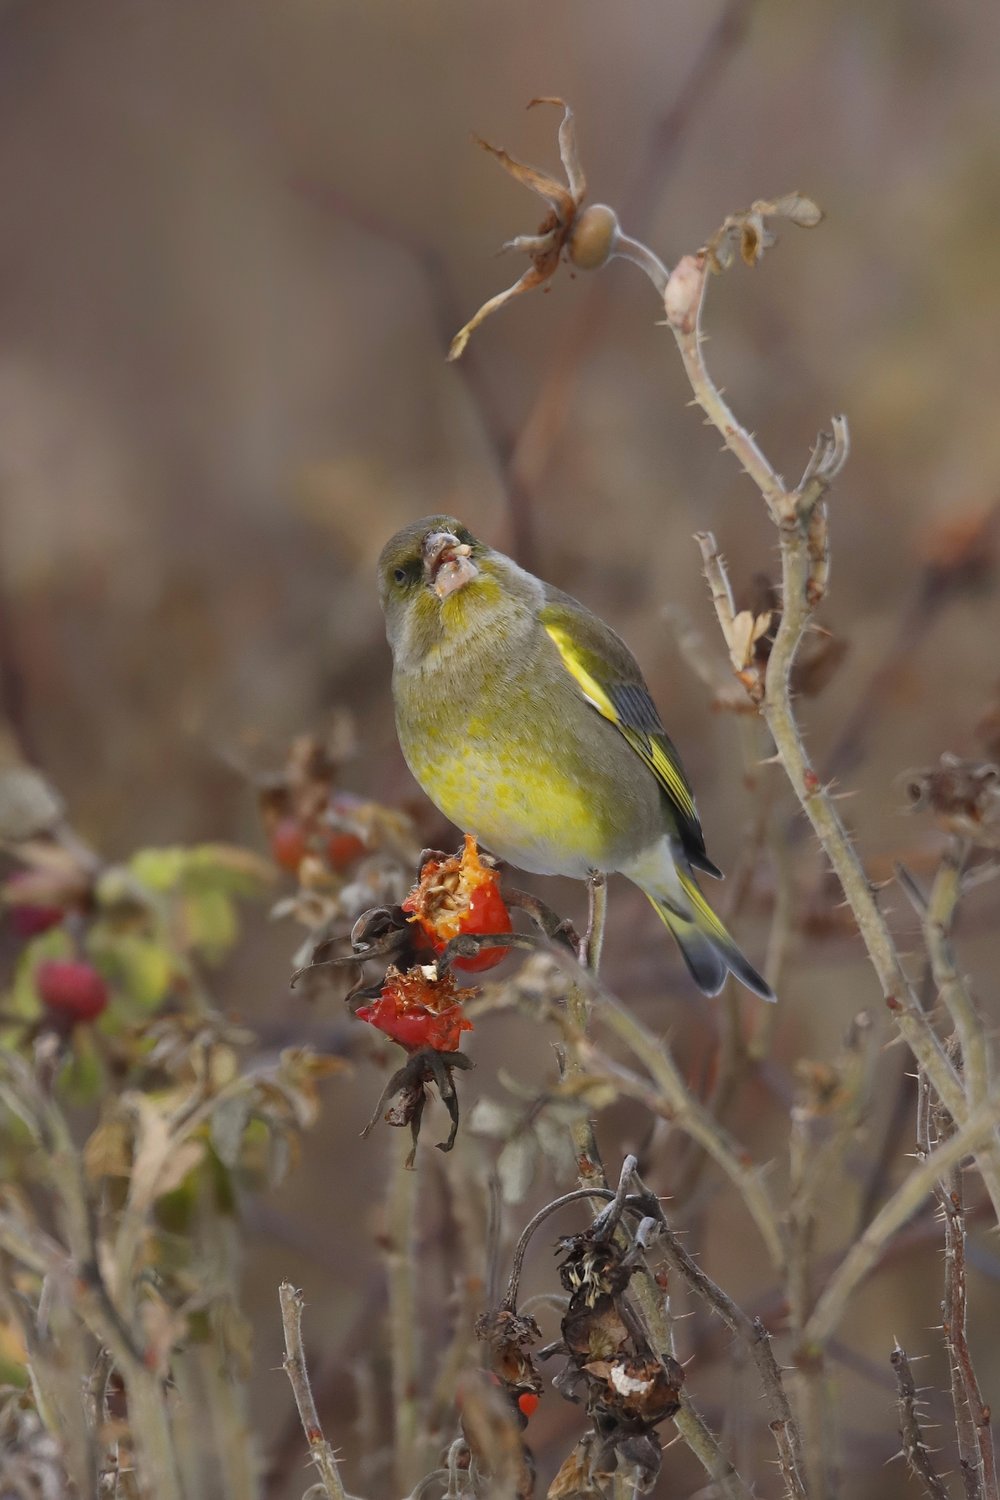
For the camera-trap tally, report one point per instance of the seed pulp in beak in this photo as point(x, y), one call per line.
point(448, 563)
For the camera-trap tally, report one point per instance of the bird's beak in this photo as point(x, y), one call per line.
point(448, 564)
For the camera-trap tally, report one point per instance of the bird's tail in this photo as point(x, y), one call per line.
point(707, 948)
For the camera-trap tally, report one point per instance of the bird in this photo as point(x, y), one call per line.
point(527, 722)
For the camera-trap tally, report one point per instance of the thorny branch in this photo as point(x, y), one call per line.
point(755, 1337)
point(976, 1457)
point(972, 1415)
point(804, 555)
point(904, 1203)
point(914, 1450)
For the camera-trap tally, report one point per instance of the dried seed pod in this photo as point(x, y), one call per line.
point(636, 1389)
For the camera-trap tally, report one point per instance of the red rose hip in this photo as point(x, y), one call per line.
point(71, 988)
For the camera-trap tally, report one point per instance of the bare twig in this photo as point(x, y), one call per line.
point(322, 1455)
point(675, 1102)
point(938, 921)
point(903, 1204)
point(755, 1337)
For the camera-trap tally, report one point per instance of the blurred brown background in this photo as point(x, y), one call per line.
point(234, 240)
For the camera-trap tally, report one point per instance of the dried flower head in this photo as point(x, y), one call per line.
point(510, 1336)
point(752, 637)
point(747, 233)
point(587, 235)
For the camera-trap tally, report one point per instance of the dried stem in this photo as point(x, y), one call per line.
point(578, 998)
point(811, 1166)
point(938, 920)
point(322, 1455)
point(404, 1331)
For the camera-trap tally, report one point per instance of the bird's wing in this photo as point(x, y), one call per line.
point(608, 676)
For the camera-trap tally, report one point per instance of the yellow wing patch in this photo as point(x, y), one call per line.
point(646, 747)
point(662, 768)
point(592, 690)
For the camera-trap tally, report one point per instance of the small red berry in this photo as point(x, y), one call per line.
point(29, 921)
point(288, 844)
point(29, 917)
point(72, 988)
point(342, 849)
point(528, 1403)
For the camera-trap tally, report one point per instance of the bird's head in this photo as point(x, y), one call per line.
point(439, 584)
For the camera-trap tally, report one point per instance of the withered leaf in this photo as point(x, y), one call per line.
point(576, 1479)
point(108, 1150)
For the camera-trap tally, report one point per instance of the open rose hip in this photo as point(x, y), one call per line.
point(418, 1009)
point(460, 895)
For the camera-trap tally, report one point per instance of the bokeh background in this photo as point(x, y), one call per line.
point(234, 242)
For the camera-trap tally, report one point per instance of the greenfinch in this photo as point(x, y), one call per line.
point(527, 722)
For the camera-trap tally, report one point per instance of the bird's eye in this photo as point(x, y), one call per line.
point(400, 575)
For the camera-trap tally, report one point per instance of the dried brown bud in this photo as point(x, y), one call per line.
point(959, 550)
point(963, 794)
point(509, 1337)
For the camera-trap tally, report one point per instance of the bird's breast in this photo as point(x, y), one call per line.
point(530, 768)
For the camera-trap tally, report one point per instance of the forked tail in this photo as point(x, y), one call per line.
point(707, 948)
